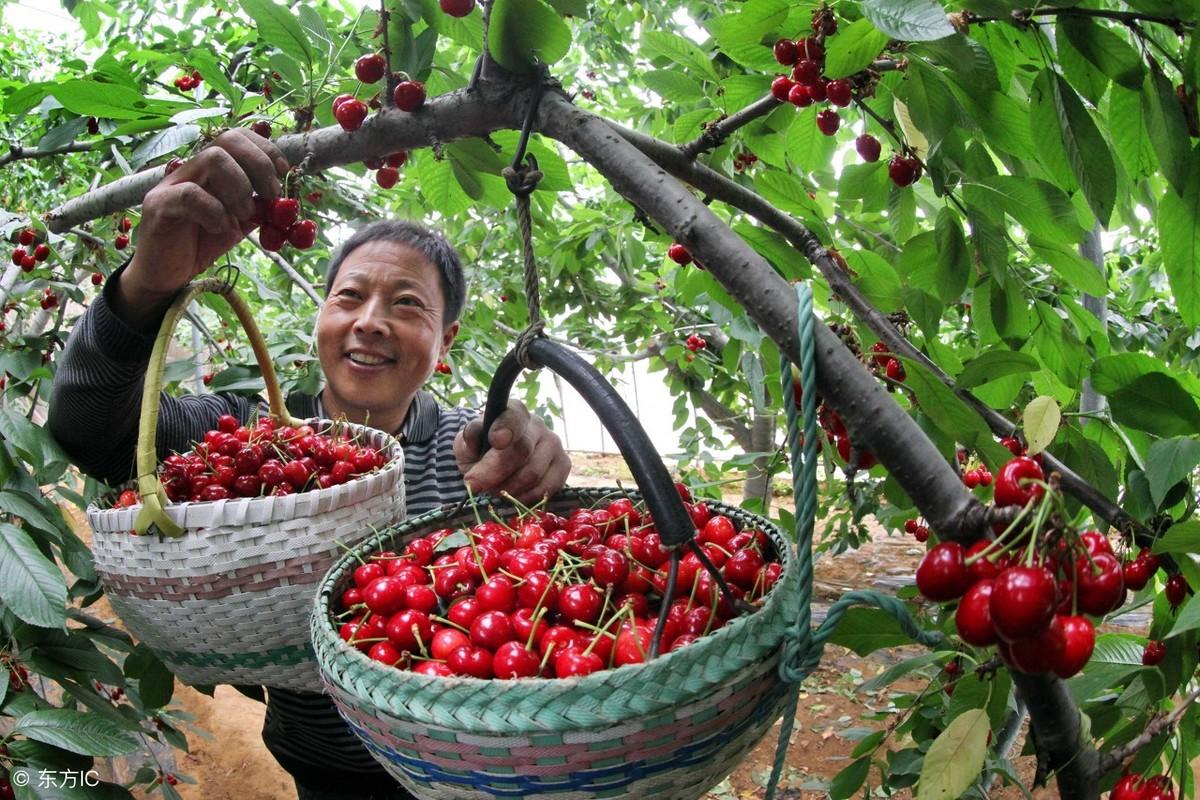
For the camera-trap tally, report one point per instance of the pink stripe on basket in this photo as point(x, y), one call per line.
point(252, 578)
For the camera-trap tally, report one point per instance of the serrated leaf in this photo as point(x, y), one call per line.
point(946, 410)
point(1168, 462)
point(1157, 404)
point(955, 759)
point(1179, 236)
point(85, 734)
point(865, 630)
point(1087, 151)
point(909, 20)
point(682, 51)
point(163, 142)
point(846, 782)
point(440, 188)
point(1040, 422)
point(1111, 54)
point(953, 263)
point(1167, 128)
point(278, 26)
point(995, 364)
point(673, 85)
point(1040, 207)
point(1076, 270)
point(110, 100)
point(1187, 618)
point(853, 49)
point(1181, 538)
point(31, 585)
point(877, 279)
point(522, 33)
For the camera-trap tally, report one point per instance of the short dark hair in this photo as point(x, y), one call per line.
point(429, 243)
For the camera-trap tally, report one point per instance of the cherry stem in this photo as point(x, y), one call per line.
point(451, 623)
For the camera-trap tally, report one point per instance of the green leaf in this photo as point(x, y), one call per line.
point(931, 106)
point(1179, 235)
point(1076, 270)
point(111, 100)
point(995, 364)
point(777, 250)
point(877, 279)
point(955, 759)
point(440, 188)
point(1040, 422)
point(1086, 150)
point(946, 410)
point(21, 506)
point(1157, 404)
point(522, 33)
point(1182, 538)
point(1110, 53)
point(1169, 462)
point(163, 142)
point(278, 26)
point(853, 49)
point(31, 585)
point(684, 52)
point(86, 734)
point(909, 20)
point(1039, 207)
point(865, 630)
point(1188, 618)
point(1167, 128)
point(673, 85)
point(846, 782)
point(1131, 138)
point(953, 262)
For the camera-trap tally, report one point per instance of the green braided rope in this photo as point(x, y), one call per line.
point(802, 646)
point(799, 645)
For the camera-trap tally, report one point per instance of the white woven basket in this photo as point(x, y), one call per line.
point(229, 600)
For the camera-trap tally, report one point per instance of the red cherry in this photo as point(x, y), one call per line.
point(895, 370)
point(262, 128)
point(780, 88)
point(97, 278)
point(839, 92)
point(370, 68)
point(1177, 590)
point(786, 52)
point(1136, 574)
point(387, 177)
point(409, 630)
point(575, 663)
point(1099, 585)
point(446, 641)
point(679, 254)
point(904, 171)
point(983, 567)
point(868, 147)
point(1151, 560)
point(633, 644)
point(812, 49)
point(806, 72)
point(580, 601)
point(497, 593)
point(409, 95)
point(121, 242)
point(303, 234)
point(973, 618)
point(284, 212)
point(350, 114)
point(1154, 652)
point(457, 8)
point(799, 97)
point(397, 159)
point(384, 595)
point(611, 568)
point(27, 236)
point(474, 662)
point(272, 238)
point(511, 659)
point(1079, 639)
point(1012, 488)
point(1023, 602)
point(942, 575)
point(1095, 542)
point(452, 582)
point(1039, 653)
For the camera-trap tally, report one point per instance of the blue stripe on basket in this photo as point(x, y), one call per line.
point(281, 657)
point(590, 780)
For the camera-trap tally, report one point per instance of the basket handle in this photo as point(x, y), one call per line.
point(154, 497)
point(674, 524)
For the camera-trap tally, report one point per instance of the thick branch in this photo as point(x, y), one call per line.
point(17, 152)
point(715, 185)
point(1055, 720)
point(873, 417)
point(456, 115)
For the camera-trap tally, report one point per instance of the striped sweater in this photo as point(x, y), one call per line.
point(93, 415)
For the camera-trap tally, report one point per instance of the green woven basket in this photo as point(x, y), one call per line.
point(669, 728)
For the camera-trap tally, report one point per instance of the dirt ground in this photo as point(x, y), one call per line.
point(229, 762)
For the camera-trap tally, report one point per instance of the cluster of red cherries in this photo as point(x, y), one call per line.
point(442, 368)
point(1135, 786)
point(279, 224)
point(387, 169)
point(695, 342)
point(884, 360)
point(543, 595)
point(28, 259)
point(349, 111)
point(260, 459)
point(1028, 593)
point(188, 81)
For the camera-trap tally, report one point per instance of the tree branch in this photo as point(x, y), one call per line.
point(455, 115)
point(715, 185)
point(874, 419)
point(713, 408)
point(295, 277)
point(17, 152)
point(1055, 720)
point(1113, 759)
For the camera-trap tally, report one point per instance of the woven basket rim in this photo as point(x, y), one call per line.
point(178, 511)
point(387, 683)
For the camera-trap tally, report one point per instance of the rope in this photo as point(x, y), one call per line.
point(522, 179)
point(802, 645)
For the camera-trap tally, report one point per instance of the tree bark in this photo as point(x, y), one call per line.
point(758, 479)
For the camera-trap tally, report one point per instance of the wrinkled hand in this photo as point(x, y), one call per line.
point(194, 216)
point(526, 459)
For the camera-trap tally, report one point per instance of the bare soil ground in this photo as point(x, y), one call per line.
point(231, 763)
